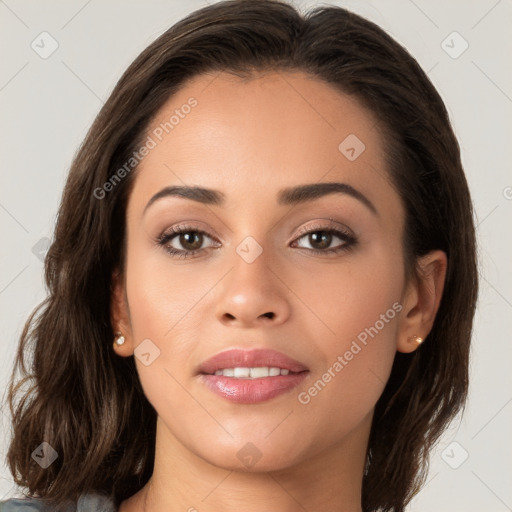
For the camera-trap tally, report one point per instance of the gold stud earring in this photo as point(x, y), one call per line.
point(415, 339)
point(119, 339)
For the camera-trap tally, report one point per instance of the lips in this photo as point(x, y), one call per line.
point(256, 358)
point(251, 376)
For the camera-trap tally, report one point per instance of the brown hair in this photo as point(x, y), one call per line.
point(87, 403)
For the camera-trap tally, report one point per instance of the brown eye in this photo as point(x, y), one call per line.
point(320, 239)
point(183, 241)
point(191, 240)
point(320, 242)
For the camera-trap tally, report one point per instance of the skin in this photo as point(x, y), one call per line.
point(250, 139)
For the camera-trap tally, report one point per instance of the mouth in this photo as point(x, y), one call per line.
point(258, 372)
point(250, 377)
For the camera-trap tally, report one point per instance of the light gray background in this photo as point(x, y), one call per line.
point(47, 105)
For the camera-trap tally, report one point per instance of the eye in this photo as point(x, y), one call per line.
point(189, 238)
point(322, 237)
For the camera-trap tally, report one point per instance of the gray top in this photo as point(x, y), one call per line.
point(91, 502)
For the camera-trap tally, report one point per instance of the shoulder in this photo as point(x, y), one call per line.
point(91, 502)
point(21, 505)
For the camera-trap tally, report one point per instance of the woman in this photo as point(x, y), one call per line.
point(262, 282)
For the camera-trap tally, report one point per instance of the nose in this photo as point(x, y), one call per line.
point(253, 294)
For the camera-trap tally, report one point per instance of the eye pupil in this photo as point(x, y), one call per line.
point(189, 240)
point(325, 238)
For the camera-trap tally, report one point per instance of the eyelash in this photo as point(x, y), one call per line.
point(168, 235)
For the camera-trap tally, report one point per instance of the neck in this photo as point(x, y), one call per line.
point(183, 481)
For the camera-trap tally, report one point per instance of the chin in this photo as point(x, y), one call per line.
point(254, 454)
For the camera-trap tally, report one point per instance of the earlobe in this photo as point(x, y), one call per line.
point(119, 339)
point(422, 301)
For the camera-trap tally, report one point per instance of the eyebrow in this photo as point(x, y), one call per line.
point(287, 196)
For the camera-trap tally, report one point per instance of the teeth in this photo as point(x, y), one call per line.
point(252, 373)
point(242, 372)
point(255, 373)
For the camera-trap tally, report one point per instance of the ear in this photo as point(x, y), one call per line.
point(120, 314)
point(422, 299)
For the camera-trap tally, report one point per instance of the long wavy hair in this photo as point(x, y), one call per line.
point(69, 389)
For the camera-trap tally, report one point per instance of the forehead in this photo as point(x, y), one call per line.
point(294, 106)
point(249, 136)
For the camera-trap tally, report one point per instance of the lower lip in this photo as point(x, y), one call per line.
point(252, 391)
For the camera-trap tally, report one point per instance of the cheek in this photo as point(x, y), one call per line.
point(161, 293)
point(161, 301)
point(355, 310)
point(343, 391)
point(349, 297)
point(162, 305)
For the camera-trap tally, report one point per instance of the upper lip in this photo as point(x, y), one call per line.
point(250, 359)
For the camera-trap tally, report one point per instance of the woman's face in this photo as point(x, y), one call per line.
point(267, 271)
